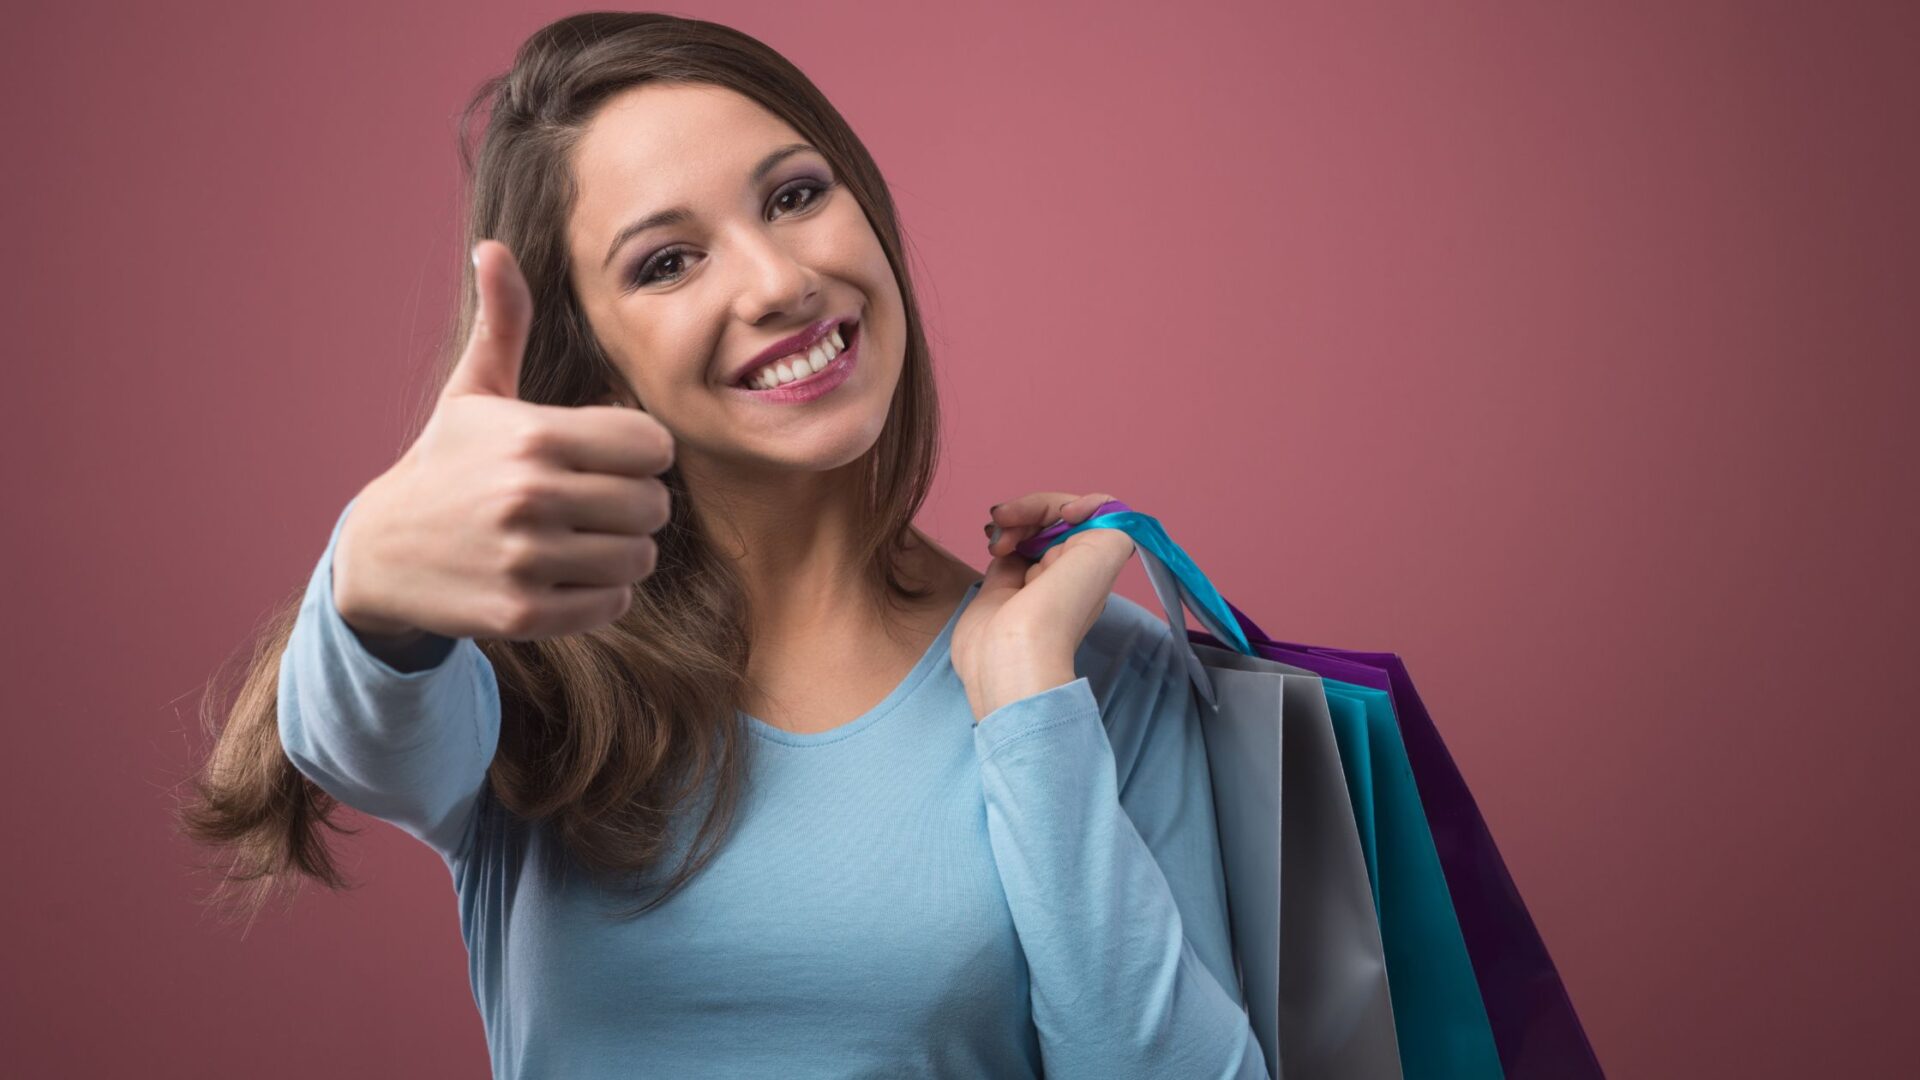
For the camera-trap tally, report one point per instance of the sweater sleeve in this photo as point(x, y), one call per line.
point(408, 747)
point(1100, 818)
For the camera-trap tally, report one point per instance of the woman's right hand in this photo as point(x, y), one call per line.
point(505, 519)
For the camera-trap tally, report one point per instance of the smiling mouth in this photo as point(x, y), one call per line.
point(848, 330)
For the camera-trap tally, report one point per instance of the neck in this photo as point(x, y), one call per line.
point(794, 537)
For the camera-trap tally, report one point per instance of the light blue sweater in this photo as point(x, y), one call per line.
point(906, 895)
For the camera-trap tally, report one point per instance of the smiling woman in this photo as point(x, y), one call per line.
point(729, 225)
point(930, 880)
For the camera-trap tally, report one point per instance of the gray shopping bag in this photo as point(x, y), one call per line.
point(1306, 937)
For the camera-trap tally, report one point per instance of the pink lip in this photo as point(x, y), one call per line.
point(801, 342)
point(815, 385)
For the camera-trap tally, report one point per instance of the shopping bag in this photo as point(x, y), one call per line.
point(1535, 1028)
point(1439, 1018)
point(1306, 936)
point(1531, 1018)
point(1438, 1011)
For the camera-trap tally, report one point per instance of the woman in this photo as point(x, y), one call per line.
point(955, 825)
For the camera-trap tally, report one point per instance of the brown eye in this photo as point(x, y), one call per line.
point(644, 273)
point(818, 189)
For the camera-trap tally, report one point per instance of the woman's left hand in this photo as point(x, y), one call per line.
point(1019, 634)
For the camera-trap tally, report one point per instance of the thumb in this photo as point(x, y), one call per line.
point(491, 363)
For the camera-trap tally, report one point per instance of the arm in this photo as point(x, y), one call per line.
point(1101, 823)
point(411, 747)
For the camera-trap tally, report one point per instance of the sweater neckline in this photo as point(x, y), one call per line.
point(937, 651)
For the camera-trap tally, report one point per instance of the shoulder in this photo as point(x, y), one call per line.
point(1131, 650)
point(1128, 630)
point(1136, 667)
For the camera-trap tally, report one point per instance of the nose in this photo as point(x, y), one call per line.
point(775, 281)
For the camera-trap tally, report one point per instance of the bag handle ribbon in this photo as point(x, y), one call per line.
point(1176, 580)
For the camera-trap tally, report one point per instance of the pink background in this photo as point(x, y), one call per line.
point(1567, 350)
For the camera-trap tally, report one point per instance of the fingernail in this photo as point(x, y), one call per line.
point(993, 535)
point(994, 507)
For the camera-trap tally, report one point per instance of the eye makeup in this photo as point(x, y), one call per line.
point(645, 270)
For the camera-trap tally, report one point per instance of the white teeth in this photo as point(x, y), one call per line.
point(799, 365)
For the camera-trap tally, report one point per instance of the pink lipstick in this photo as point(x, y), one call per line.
point(818, 383)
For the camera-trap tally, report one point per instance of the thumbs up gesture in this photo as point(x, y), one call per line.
point(505, 519)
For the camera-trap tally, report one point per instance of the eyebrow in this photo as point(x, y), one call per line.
point(679, 215)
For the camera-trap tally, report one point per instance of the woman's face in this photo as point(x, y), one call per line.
point(682, 308)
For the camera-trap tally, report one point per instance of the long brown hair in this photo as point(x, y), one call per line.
point(605, 736)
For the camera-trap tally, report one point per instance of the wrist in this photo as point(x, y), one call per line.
point(375, 630)
point(369, 625)
point(1011, 674)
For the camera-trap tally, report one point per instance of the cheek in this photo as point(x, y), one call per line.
point(664, 354)
point(851, 244)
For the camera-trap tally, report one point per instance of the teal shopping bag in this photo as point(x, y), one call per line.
point(1438, 1012)
point(1437, 1008)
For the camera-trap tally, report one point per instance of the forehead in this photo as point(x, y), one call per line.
point(659, 145)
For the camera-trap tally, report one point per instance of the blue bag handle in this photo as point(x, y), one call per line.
point(1176, 580)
